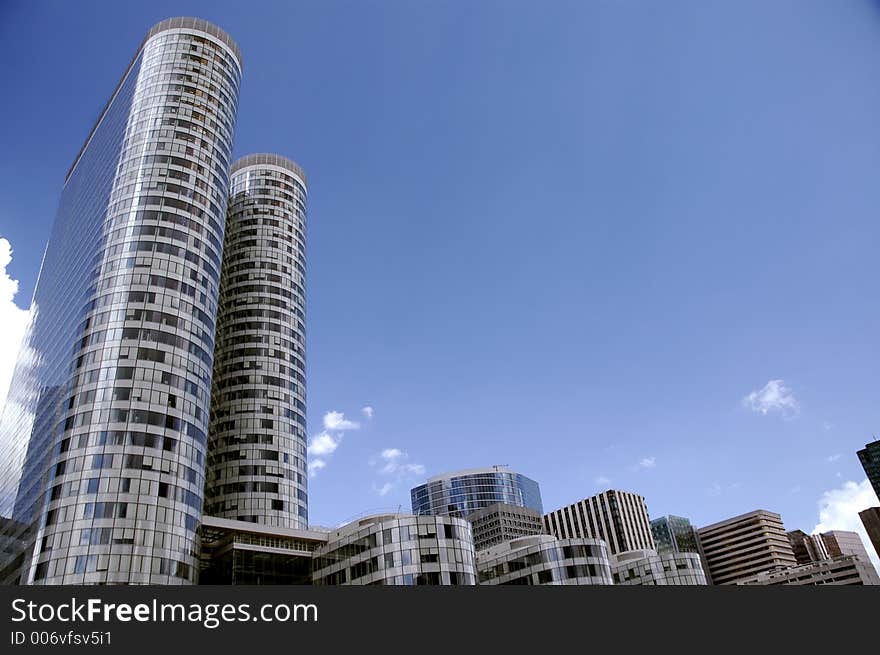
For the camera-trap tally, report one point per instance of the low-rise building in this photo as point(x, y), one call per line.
point(844, 570)
point(545, 560)
point(244, 553)
point(397, 549)
point(650, 568)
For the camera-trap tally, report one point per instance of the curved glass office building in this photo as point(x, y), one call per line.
point(397, 549)
point(545, 560)
point(103, 437)
point(257, 440)
point(464, 492)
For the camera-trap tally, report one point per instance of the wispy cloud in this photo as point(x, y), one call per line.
point(773, 397)
point(394, 463)
point(602, 481)
point(839, 510)
point(13, 321)
point(833, 458)
point(717, 489)
point(316, 465)
point(645, 463)
point(367, 411)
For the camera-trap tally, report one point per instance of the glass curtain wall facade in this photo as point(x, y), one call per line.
point(461, 493)
point(674, 534)
point(103, 438)
point(869, 456)
point(257, 440)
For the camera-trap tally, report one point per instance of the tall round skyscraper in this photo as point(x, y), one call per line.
point(104, 435)
point(257, 443)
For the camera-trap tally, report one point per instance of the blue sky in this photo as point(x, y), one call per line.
point(570, 237)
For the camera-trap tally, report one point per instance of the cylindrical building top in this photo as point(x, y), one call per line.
point(271, 159)
point(189, 22)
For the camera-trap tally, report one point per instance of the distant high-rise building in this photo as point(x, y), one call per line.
point(871, 520)
point(104, 433)
point(844, 542)
point(806, 549)
point(257, 440)
point(620, 518)
point(674, 534)
point(834, 543)
point(464, 492)
point(869, 456)
point(499, 523)
point(744, 546)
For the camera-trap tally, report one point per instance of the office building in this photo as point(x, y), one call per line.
point(464, 492)
point(869, 456)
point(744, 546)
point(650, 568)
point(500, 522)
point(619, 518)
point(397, 549)
point(871, 520)
point(247, 553)
point(674, 534)
point(257, 439)
point(842, 570)
point(545, 560)
point(104, 432)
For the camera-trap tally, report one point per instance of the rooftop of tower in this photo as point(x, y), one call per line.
point(271, 159)
point(192, 23)
point(179, 22)
point(467, 472)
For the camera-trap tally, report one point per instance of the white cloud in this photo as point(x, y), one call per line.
point(384, 489)
point(796, 489)
point(774, 397)
point(327, 440)
point(337, 421)
point(602, 481)
point(839, 510)
point(646, 463)
point(13, 321)
point(833, 458)
point(367, 411)
point(828, 425)
point(324, 443)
